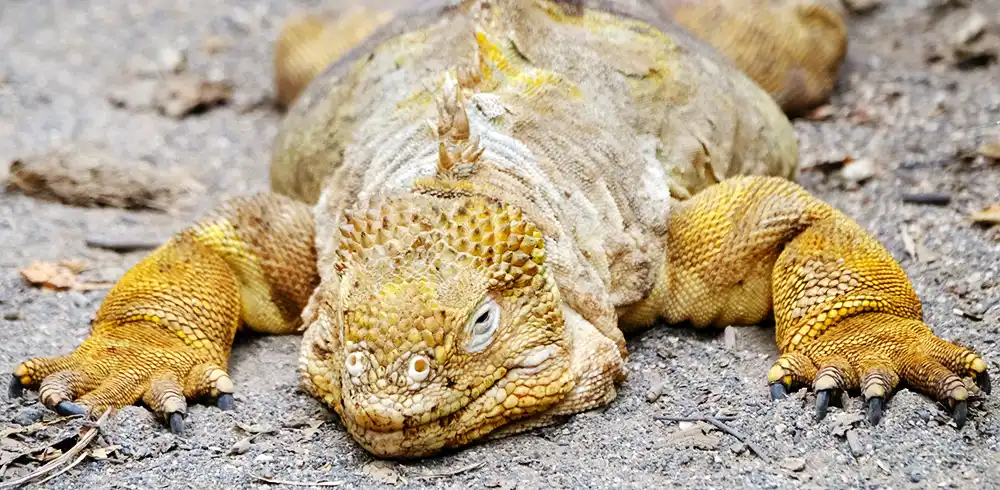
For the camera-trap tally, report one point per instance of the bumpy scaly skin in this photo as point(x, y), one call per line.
point(308, 43)
point(791, 48)
point(545, 187)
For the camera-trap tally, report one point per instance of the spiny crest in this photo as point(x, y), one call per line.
point(469, 232)
point(458, 151)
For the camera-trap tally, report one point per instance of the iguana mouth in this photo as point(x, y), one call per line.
point(388, 432)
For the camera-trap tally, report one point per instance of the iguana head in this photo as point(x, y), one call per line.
point(449, 323)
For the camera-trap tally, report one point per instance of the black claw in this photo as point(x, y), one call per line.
point(16, 389)
point(778, 391)
point(822, 402)
point(983, 381)
point(876, 405)
point(177, 423)
point(960, 413)
point(67, 407)
point(225, 401)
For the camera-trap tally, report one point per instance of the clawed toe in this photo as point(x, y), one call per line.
point(778, 391)
point(225, 401)
point(876, 406)
point(67, 407)
point(960, 413)
point(983, 382)
point(823, 398)
point(176, 423)
point(16, 387)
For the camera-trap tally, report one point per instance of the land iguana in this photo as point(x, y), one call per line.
point(476, 200)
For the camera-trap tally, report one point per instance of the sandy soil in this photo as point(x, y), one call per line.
point(905, 115)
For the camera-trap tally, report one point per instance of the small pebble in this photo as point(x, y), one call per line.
point(241, 446)
point(264, 458)
point(862, 6)
point(793, 464)
point(13, 315)
point(172, 60)
point(858, 171)
point(28, 416)
point(970, 30)
point(924, 414)
point(654, 391)
point(729, 338)
point(857, 449)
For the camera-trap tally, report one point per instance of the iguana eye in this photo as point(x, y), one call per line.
point(482, 325)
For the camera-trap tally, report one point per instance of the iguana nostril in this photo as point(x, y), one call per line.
point(420, 368)
point(355, 365)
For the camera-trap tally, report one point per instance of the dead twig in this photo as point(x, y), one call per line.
point(449, 472)
point(928, 198)
point(35, 427)
point(297, 483)
point(122, 244)
point(717, 421)
point(670, 418)
point(88, 435)
point(67, 467)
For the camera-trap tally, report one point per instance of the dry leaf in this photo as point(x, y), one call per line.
point(103, 452)
point(383, 472)
point(990, 149)
point(59, 276)
point(214, 44)
point(695, 434)
point(861, 114)
point(181, 95)
point(988, 215)
point(88, 175)
point(821, 113)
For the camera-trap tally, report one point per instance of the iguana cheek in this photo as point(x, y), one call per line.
point(533, 361)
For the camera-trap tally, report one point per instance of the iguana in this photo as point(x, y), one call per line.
point(475, 202)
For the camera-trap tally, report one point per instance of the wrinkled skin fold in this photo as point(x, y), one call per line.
point(473, 202)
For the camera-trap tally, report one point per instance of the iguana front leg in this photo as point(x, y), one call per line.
point(164, 332)
point(847, 317)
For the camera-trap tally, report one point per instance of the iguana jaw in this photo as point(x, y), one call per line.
point(508, 400)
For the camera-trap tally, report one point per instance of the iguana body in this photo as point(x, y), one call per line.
point(499, 191)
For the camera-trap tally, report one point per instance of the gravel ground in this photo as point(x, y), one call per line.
point(895, 110)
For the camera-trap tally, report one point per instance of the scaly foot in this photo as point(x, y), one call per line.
point(162, 336)
point(115, 372)
point(872, 353)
